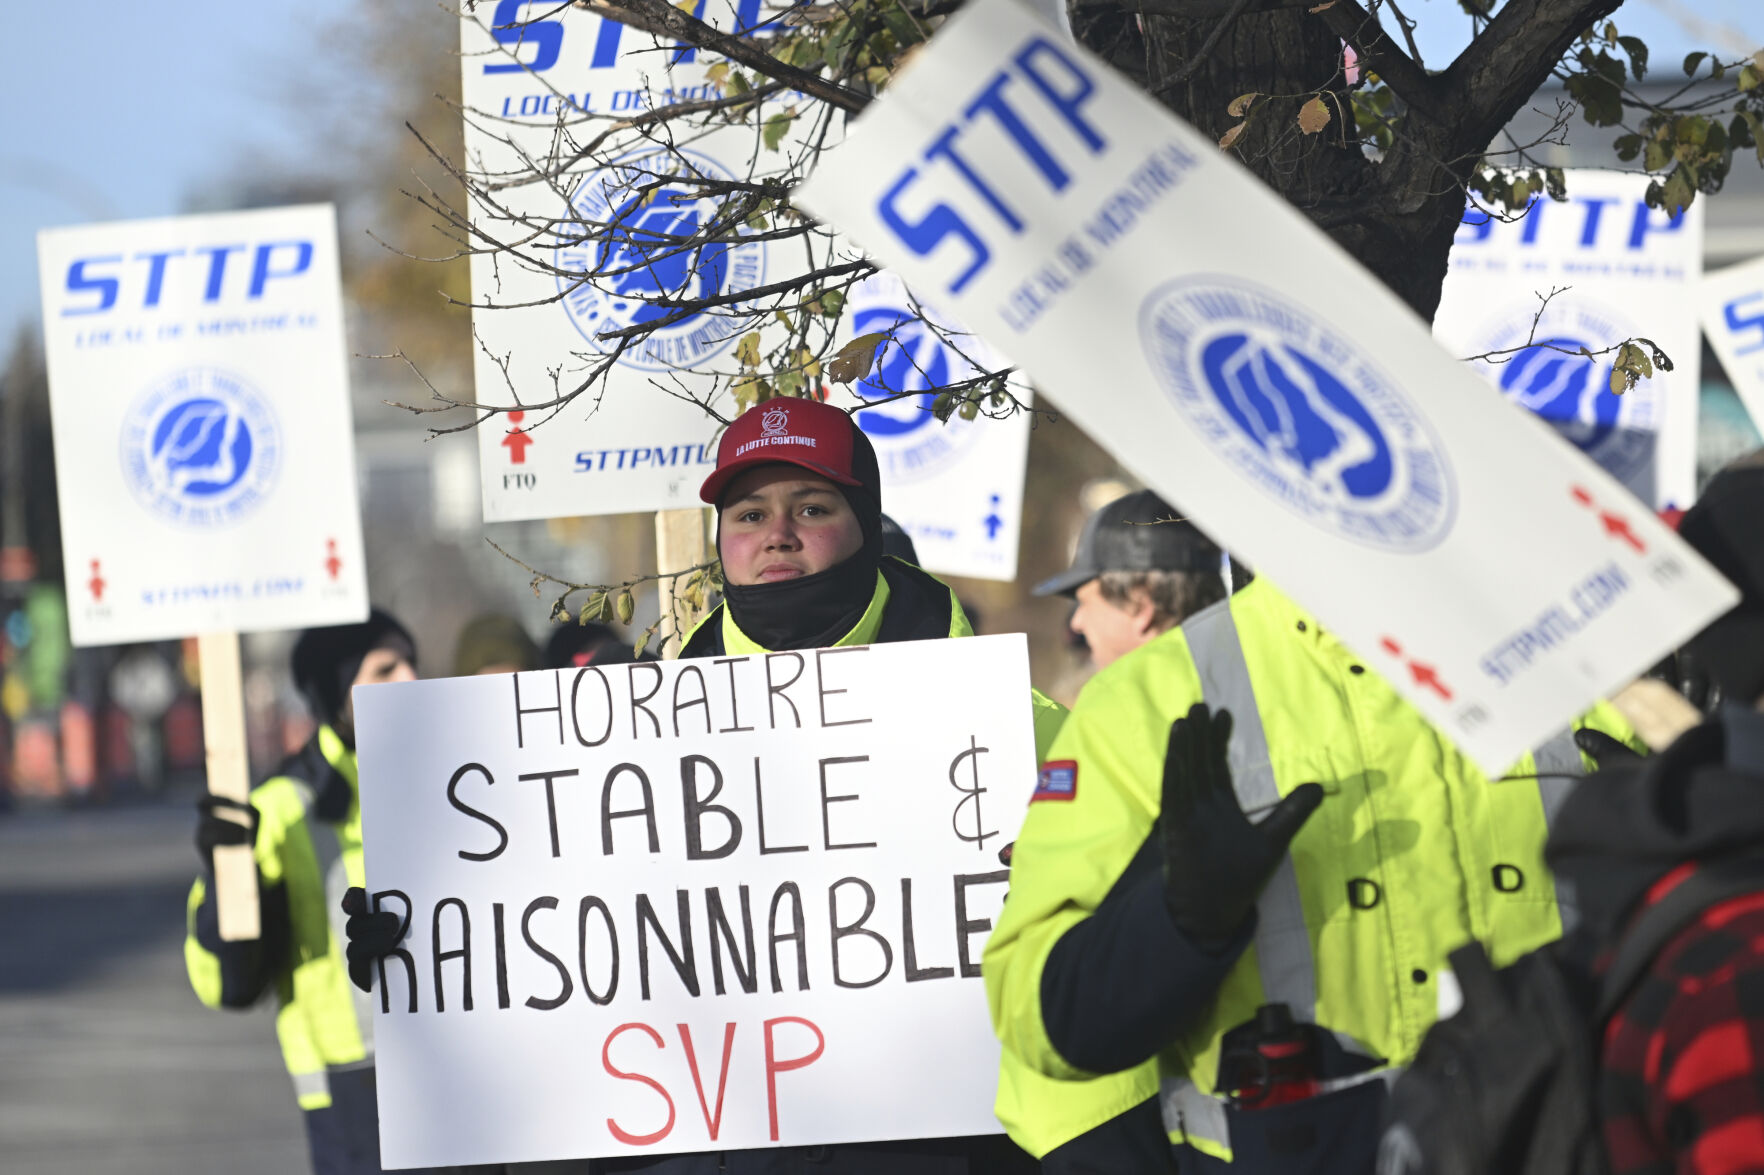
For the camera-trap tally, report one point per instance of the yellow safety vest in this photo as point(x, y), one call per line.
point(1413, 853)
point(322, 1021)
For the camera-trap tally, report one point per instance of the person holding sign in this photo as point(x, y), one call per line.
point(797, 491)
point(1249, 857)
point(305, 826)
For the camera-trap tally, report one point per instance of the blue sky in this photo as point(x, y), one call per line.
point(113, 109)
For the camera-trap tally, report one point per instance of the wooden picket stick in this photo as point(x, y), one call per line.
point(680, 541)
point(229, 776)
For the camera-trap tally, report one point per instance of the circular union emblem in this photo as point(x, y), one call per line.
point(637, 259)
point(200, 448)
point(773, 421)
point(910, 441)
point(1299, 412)
point(1573, 393)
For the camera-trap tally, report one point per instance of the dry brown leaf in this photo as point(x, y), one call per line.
point(855, 359)
point(1327, 4)
point(1313, 116)
point(1231, 136)
point(1240, 105)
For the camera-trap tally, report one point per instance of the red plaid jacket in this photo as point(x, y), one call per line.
point(1681, 1087)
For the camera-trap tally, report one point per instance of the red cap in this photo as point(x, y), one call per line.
point(807, 433)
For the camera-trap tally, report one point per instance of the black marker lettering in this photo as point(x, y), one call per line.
point(746, 973)
point(496, 933)
point(576, 710)
point(612, 939)
point(453, 798)
point(777, 691)
point(682, 958)
point(734, 696)
point(690, 672)
point(827, 801)
point(696, 809)
point(857, 927)
point(563, 973)
point(798, 935)
point(521, 712)
point(463, 954)
point(607, 815)
point(397, 952)
point(825, 693)
point(908, 948)
point(637, 702)
point(966, 926)
point(759, 807)
point(551, 799)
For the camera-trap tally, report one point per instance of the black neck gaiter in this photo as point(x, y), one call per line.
point(810, 611)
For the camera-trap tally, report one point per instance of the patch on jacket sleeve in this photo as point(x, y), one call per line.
point(1058, 781)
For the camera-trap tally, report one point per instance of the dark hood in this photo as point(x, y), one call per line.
point(1623, 828)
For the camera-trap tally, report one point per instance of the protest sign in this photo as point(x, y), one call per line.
point(1622, 270)
point(1731, 302)
point(1250, 371)
point(542, 84)
point(955, 486)
point(203, 451)
point(692, 905)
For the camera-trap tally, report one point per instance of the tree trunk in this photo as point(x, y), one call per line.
point(1396, 216)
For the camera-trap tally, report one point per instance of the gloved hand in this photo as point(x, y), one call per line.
point(1604, 750)
point(371, 937)
point(213, 829)
point(1216, 862)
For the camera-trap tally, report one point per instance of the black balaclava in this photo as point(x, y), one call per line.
point(814, 611)
point(326, 661)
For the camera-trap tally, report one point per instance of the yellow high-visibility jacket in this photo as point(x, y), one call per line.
point(308, 852)
point(1413, 852)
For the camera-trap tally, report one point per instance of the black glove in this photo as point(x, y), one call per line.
point(371, 936)
point(1215, 861)
point(1604, 750)
point(213, 829)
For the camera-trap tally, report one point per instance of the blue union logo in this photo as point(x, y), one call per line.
point(640, 259)
point(1297, 410)
point(911, 443)
point(200, 448)
point(1550, 376)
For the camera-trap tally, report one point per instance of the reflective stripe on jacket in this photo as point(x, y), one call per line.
point(309, 848)
point(1413, 852)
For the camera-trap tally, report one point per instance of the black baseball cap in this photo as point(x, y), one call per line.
point(1139, 532)
point(1726, 526)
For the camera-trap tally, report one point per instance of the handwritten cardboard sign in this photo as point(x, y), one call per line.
point(1249, 370)
point(708, 904)
point(203, 449)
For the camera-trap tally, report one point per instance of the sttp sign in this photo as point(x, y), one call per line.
point(203, 449)
point(692, 905)
point(1245, 367)
point(1621, 270)
point(955, 486)
point(1732, 307)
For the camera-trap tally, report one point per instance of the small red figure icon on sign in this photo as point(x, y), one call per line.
point(517, 440)
point(96, 584)
point(1424, 674)
point(1615, 524)
point(332, 563)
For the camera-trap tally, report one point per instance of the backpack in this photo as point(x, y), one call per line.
point(1506, 1086)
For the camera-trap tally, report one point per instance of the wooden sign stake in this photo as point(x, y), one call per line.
point(229, 776)
point(680, 541)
